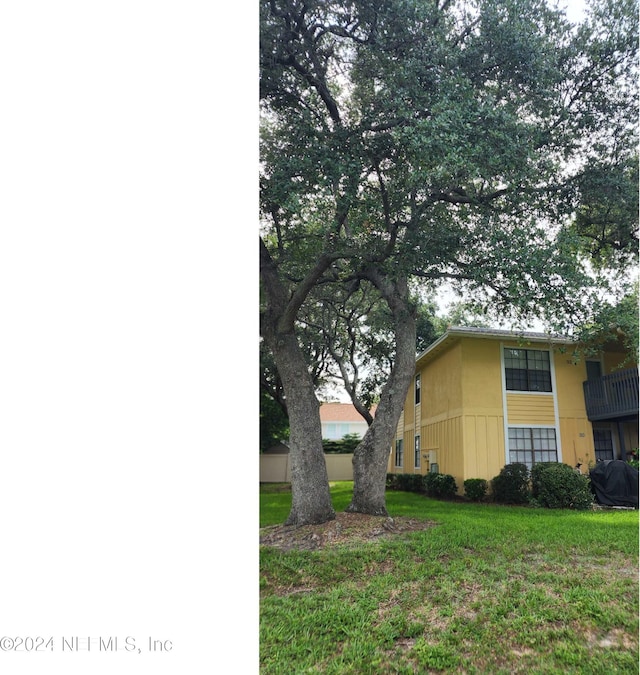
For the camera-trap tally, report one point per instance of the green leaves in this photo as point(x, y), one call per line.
point(488, 144)
point(606, 219)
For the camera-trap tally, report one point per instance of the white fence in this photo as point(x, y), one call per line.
point(276, 468)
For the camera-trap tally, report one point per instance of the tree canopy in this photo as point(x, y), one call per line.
point(446, 139)
point(421, 140)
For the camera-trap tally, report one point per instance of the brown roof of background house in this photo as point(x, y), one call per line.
point(341, 412)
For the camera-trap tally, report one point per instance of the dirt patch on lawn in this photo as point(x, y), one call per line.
point(347, 529)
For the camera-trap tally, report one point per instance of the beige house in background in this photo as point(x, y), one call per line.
point(340, 419)
point(484, 398)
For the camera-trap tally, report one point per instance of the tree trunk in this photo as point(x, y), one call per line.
point(371, 457)
point(311, 500)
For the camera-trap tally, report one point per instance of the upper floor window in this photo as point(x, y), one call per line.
point(417, 389)
point(527, 369)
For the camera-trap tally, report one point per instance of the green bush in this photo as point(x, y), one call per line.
point(440, 485)
point(475, 489)
point(407, 482)
point(344, 446)
point(559, 486)
point(403, 482)
point(536, 476)
point(414, 481)
point(511, 485)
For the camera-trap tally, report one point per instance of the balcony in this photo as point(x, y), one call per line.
point(613, 396)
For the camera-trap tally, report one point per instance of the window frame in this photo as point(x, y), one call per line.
point(527, 380)
point(399, 455)
point(599, 431)
point(416, 452)
point(531, 438)
point(417, 386)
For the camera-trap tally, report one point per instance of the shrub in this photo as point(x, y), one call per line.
point(440, 485)
point(407, 482)
point(559, 486)
point(475, 489)
point(536, 476)
point(415, 482)
point(511, 485)
point(347, 444)
point(402, 482)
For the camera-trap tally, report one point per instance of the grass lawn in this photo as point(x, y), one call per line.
point(489, 589)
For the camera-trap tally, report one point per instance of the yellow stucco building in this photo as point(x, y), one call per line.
point(483, 398)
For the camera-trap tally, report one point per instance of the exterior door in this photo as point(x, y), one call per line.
point(594, 370)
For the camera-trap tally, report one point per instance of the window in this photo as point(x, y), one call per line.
point(527, 370)
point(335, 431)
point(603, 442)
point(416, 453)
point(417, 389)
point(399, 454)
point(532, 445)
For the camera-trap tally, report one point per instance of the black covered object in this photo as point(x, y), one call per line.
point(615, 483)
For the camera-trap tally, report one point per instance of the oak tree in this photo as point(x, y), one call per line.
point(428, 140)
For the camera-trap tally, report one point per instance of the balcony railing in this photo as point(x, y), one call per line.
point(612, 396)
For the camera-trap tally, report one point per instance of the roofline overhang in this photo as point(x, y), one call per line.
point(454, 333)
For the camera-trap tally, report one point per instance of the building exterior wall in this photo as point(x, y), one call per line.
point(400, 427)
point(575, 429)
point(482, 379)
point(437, 418)
point(442, 386)
point(577, 442)
point(466, 411)
point(483, 410)
point(441, 418)
point(409, 411)
point(484, 447)
point(536, 409)
point(444, 437)
point(612, 361)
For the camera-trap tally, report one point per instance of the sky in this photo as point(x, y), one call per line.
point(575, 9)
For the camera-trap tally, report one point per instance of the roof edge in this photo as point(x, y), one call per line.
point(494, 333)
